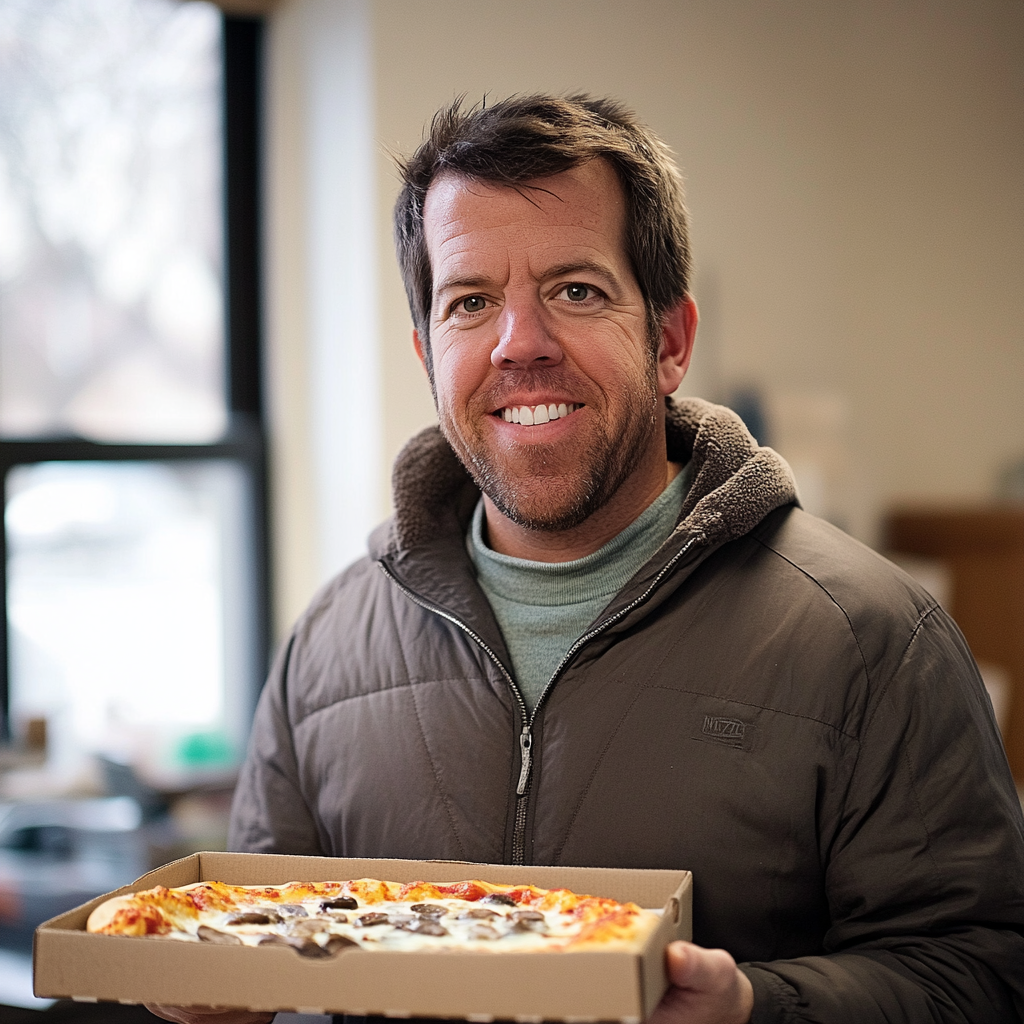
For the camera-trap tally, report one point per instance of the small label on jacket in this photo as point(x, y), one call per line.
point(730, 731)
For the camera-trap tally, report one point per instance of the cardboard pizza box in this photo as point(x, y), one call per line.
point(587, 985)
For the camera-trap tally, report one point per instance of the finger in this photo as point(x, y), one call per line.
point(677, 962)
point(700, 970)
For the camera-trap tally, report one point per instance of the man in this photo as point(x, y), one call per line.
point(599, 629)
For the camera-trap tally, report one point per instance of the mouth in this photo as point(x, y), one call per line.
point(534, 415)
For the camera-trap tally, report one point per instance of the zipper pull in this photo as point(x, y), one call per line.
point(525, 743)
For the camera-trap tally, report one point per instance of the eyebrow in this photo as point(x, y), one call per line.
point(446, 285)
point(575, 266)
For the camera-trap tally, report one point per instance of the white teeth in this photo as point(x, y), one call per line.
point(530, 416)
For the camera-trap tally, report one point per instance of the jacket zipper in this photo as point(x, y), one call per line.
point(528, 717)
point(525, 737)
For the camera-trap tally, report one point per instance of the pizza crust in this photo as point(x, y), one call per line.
point(102, 916)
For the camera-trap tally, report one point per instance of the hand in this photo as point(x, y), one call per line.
point(209, 1015)
point(707, 988)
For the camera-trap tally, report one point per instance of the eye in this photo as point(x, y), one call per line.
point(471, 304)
point(577, 292)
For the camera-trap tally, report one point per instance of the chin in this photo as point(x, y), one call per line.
point(560, 505)
point(544, 520)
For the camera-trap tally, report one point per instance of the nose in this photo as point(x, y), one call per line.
point(524, 341)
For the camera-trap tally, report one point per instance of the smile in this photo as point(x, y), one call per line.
point(534, 415)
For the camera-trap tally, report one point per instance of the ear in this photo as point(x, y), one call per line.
point(423, 354)
point(678, 329)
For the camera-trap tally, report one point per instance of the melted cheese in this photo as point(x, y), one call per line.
point(541, 919)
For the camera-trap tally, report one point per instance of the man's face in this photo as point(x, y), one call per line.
point(546, 382)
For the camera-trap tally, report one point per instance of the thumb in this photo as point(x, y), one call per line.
point(699, 970)
point(679, 963)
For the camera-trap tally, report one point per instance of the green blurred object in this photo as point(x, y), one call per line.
point(205, 749)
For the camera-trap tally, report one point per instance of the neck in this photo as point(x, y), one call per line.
point(509, 538)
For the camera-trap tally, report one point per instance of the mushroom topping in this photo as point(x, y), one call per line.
point(499, 899)
point(339, 903)
point(310, 925)
point(208, 934)
point(528, 921)
point(305, 946)
point(483, 931)
point(428, 910)
point(368, 920)
point(255, 918)
point(527, 915)
point(309, 948)
point(426, 926)
point(479, 914)
point(295, 909)
point(336, 943)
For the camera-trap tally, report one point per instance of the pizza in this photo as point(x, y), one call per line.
point(322, 919)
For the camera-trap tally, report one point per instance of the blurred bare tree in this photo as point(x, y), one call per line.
point(110, 220)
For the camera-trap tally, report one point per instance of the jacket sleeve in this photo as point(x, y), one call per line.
point(924, 854)
point(269, 813)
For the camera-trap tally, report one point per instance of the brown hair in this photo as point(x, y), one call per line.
point(527, 137)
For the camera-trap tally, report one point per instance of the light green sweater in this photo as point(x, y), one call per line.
point(544, 607)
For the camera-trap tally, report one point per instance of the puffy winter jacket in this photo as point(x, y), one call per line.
point(767, 703)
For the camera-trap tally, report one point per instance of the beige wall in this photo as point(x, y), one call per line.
point(855, 174)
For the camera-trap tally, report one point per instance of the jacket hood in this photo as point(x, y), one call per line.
point(735, 482)
point(734, 485)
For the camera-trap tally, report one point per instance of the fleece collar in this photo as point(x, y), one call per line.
point(735, 483)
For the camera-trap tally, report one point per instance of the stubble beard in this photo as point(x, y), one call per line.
point(554, 488)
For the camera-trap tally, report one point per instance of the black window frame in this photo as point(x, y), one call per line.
point(245, 439)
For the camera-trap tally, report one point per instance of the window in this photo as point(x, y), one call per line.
point(131, 444)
